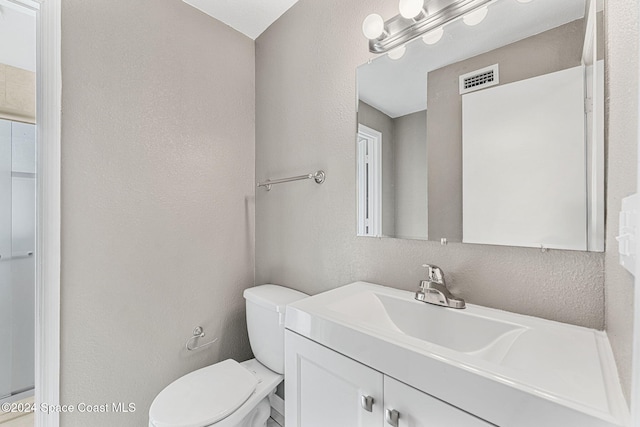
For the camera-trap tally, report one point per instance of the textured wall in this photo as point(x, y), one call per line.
point(622, 85)
point(157, 205)
point(305, 233)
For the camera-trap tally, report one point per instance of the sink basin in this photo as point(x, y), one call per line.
point(506, 368)
point(458, 330)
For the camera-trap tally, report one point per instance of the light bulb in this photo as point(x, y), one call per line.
point(373, 26)
point(475, 17)
point(433, 37)
point(397, 53)
point(411, 8)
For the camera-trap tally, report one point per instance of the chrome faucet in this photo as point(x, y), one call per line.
point(434, 290)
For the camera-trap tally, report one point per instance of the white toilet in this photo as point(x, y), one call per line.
point(232, 394)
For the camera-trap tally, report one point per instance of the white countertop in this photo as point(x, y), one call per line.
point(527, 371)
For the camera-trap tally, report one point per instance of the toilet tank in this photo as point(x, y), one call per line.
point(266, 305)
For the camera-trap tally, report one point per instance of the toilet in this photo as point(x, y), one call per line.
point(232, 394)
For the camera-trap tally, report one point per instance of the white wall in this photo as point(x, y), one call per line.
point(157, 198)
point(524, 163)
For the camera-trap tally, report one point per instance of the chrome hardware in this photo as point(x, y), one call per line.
point(434, 274)
point(17, 256)
point(198, 332)
point(367, 403)
point(401, 30)
point(434, 290)
point(391, 416)
point(318, 177)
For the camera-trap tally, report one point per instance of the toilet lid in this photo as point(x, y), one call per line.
point(204, 396)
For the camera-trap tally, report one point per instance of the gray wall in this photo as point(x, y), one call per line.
point(622, 86)
point(305, 233)
point(411, 175)
point(553, 50)
point(377, 120)
point(157, 206)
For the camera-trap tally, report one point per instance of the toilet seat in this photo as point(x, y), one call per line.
point(203, 397)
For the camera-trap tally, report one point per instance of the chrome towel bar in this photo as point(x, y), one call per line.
point(318, 176)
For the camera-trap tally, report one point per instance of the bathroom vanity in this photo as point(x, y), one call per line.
point(368, 355)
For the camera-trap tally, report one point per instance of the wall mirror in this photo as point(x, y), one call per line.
point(491, 133)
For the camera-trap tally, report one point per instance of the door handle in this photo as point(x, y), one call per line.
point(391, 416)
point(367, 403)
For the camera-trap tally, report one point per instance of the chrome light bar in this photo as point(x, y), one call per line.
point(399, 30)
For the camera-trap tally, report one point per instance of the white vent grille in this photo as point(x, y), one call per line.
point(479, 79)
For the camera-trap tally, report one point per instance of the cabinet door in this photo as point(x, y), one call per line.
point(418, 409)
point(324, 388)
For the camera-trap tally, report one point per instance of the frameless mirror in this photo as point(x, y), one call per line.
point(491, 133)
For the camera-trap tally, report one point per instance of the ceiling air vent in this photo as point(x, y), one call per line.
point(479, 79)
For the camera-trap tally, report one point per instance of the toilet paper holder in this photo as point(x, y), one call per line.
point(198, 332)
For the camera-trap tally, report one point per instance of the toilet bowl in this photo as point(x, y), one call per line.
point(228, 393)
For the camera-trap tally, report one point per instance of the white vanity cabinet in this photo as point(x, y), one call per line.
point(442, 367)
point(418, 409)
point(324, 388)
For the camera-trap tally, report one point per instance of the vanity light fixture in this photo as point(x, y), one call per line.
point(412, 9)
point(373, 27)
point(398, 52)
point(475, 17)
point(415, 21)
point(433, 37)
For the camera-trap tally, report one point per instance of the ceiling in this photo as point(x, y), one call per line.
point(398, 87)
point(250, 17)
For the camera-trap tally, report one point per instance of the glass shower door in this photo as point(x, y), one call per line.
point(17, 262)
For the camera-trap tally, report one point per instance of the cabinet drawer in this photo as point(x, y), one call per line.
point(418, 409)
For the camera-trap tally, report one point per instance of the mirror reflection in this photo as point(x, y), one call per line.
point(490, 133)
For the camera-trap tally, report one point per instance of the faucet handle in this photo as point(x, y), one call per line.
point(434, 274)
